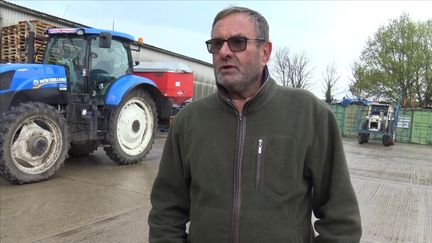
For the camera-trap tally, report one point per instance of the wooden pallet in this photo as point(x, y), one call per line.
point(14, 41)
point(9, 38)
point(9, 30)
point(39, 26)
point(10, 51)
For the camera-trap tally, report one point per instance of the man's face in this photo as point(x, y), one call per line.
point(239, 71)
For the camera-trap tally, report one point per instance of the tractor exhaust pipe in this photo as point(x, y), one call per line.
point(30, 42)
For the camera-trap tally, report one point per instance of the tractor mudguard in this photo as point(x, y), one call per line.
point(122, 86)
point(35, 76)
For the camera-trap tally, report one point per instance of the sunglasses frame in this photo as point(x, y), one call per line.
point(209, 43)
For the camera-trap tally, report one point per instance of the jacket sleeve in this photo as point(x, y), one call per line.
point(334, 203)
point(169, 197)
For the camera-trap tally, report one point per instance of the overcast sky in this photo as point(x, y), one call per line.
point(327, 31)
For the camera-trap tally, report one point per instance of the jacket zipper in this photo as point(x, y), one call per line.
point(235, 222)
point(258, 171)
point(237, 180)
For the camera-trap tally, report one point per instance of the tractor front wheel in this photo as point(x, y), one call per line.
point(362, 137)
point(132, 128)
point(34, 142)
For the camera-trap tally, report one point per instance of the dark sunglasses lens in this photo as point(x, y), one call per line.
point(208, 44)
point(215, 45)
point(237, 43)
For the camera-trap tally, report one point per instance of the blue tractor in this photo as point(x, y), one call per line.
point(84, 95)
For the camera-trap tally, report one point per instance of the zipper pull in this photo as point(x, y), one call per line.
point(240, 116)
point(260, 146)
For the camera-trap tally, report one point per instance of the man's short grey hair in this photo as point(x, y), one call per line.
point(262, 27)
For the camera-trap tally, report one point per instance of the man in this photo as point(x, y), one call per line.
point(252, 162)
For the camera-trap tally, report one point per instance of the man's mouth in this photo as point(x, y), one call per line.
point(227, 67)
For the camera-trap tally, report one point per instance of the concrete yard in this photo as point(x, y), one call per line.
point(94, 200)
point(394, 189)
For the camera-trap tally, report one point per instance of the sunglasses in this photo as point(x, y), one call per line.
point(235, 44)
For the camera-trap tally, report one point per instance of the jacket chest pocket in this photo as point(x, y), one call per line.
point(276, 164)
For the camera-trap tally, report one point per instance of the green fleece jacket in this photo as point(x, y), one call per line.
point(254, 177)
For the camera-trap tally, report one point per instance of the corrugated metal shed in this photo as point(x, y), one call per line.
point(11, 13)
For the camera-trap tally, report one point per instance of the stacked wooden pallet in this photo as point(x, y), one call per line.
point(15, 45)
point(9, 43)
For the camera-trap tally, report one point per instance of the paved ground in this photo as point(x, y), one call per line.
point(94, 200)
point(394, 189)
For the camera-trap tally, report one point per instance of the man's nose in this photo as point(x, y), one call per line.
point(225, 50)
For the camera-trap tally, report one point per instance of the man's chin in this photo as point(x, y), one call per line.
point(228, 77)
point(227, 82)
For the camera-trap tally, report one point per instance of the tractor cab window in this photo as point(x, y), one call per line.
point(68, 51)
point(107, 64)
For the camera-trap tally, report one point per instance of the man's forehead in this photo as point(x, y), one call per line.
point(236, 24)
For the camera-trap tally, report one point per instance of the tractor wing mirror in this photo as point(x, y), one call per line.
point(105, 40)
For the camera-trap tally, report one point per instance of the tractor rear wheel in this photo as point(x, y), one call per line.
point(388, 140)
point(34, 141)
point(132, 128)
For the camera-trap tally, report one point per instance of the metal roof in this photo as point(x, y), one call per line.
point(40, 14)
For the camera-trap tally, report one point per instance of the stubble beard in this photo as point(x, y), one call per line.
point(240, 83)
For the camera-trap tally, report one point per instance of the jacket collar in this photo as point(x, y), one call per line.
point(264, 94)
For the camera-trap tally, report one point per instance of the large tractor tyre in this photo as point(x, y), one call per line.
point(388, 140)
point(132, 128)
point(363, 137)
point(34, 142)
point(83, 149)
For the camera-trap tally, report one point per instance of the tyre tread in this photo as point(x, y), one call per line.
point(113, 150)
point(7, 123)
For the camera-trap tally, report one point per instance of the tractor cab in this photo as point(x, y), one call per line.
point(93, 59)
point(379, 117)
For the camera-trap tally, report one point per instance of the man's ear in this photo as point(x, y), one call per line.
point(267, 49)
